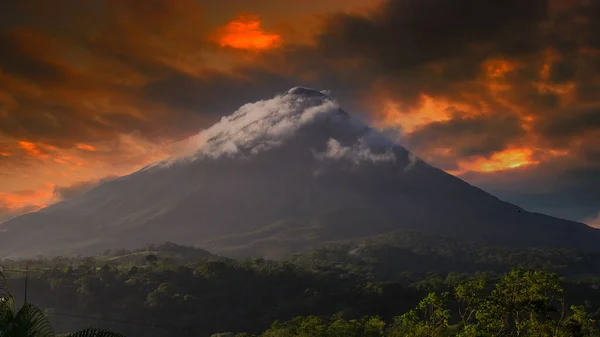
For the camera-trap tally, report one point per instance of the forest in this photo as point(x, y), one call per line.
point(404, 284)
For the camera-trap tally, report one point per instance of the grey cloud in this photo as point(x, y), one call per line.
point(412, 161)
point(356, 153)
point(260, 126)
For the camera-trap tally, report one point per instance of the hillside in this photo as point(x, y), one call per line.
point(186, 291)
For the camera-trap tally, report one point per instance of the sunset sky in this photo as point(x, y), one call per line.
point(504, 94)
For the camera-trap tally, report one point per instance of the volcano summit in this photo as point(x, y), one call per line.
point(279, 176)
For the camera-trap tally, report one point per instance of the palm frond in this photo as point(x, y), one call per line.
point(94, 332)
point(7, 305)
point(3, 286)
point(30, 321)
point(7, 314)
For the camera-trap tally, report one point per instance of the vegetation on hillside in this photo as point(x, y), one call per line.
point(400, 285)
point(30, 321)
point(522, 303)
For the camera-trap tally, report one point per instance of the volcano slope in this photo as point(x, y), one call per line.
point(280, 176)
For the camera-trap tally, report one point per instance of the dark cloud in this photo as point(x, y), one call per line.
point(406, 34)
point(50, 121)
point(216, 94)
point(78, 188)
point(15, 17)
point(150, 36)
point(439, 47)
point(589, 150)
point(468, 137)
point(571, 123)
point(16, 59)
point(403, 39)
point(563, 71)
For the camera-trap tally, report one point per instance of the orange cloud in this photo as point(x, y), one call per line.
point(32, 164)
point(507, 159)
point(27, 199)
point(550, 57)
point(498, 67)
point(429, 111)
point(32, 150)
point(24, 201)
point(499, 91)
point(245, 32)
point(86, 147)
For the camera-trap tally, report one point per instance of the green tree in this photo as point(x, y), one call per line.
point(343, 328)
point(524, 303)
point(581, 324)
point(279, 329)
point(312, 326)
point(373, 326)
point(469, 294)
point(430, 318)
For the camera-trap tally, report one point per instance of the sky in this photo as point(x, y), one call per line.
point(502, 93)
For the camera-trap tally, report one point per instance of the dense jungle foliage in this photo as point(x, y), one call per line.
point(404, 284)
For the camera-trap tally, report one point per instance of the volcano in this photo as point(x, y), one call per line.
point(280, 176)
